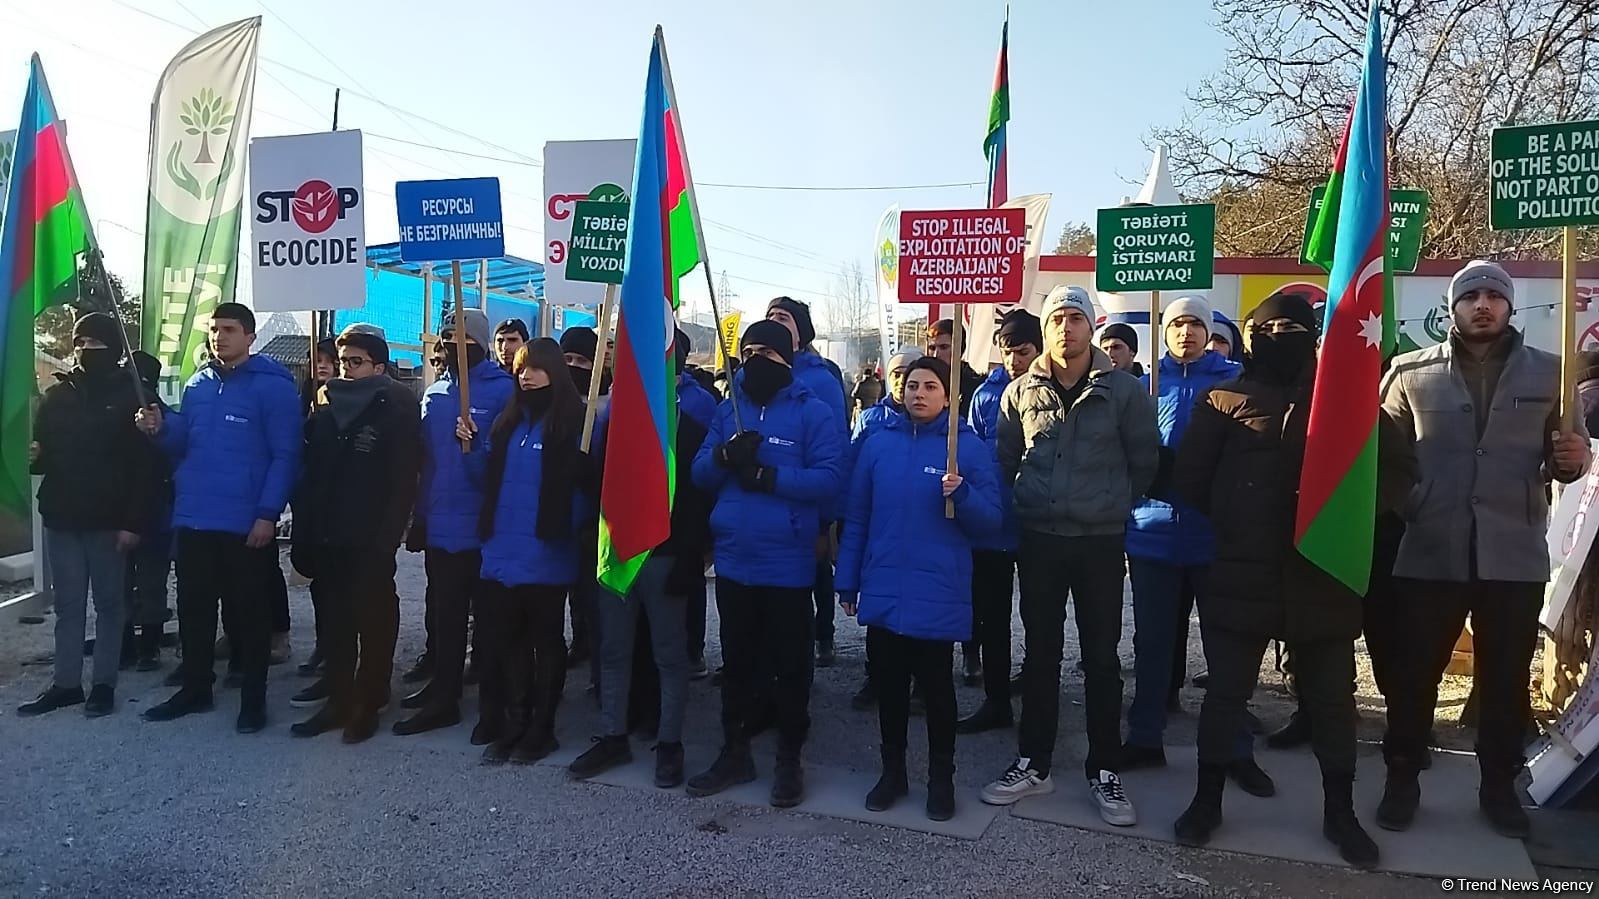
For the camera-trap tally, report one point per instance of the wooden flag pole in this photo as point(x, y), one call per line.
point(716, 313)
point(599, 365)
point(1569, 407)
point(951, 465)
point(461, 365)
point(1157, 337)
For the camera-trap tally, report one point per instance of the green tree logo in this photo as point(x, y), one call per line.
point(206, 115)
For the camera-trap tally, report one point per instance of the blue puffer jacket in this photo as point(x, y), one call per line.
point(826, 383)
point(514, 555)
point(984, 419)
point(1177, 534)
point(912, 566)
point(769, 539)
point(235, 446)
point(449, 502)
point(695, 401)
point(871, 420)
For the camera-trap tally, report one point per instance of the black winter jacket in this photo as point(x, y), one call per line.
point(100, 473)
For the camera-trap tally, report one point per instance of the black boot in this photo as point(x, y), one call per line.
point(1295, 733)
point(892, 784)
point(1502, 807)
point(1251, 778)
point(788, 781)
point(866, 697)
point(1135, 757)
point(499, 751)
point(989, 716)
point(607, 752)
point(148, 648)
point(668, 765)
point(1339, 824)
point(102, 701)
point(536, 744)
point(733, 766)
point(941, 787)
point(1400, 797)
point(490, 725)
point(51, 699)
point(1194, 826)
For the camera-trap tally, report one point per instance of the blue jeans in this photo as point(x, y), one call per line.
point(1162, 595)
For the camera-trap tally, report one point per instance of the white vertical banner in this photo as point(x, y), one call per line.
point(308, 222)
point(886, 251)
point(8, 152)
point(983, 321)
point(579, 170)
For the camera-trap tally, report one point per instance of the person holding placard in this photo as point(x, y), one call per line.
point(771, 484)
point(912, 586)
point(1484, 413)
point(1078, 442)
point(446, 519)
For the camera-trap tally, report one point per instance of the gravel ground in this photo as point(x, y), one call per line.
point(117, 807)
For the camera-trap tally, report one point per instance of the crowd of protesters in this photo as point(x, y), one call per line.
point(1068, 478)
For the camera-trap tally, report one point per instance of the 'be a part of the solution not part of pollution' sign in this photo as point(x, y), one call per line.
point(962, 255)
point(1144, 248)
point(1407, 217)
point(1544, 176)
point(597, 248)
point(454, 218)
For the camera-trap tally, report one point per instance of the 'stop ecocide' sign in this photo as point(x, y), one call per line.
point(1544, 176)
point(308, 227)
point(962, 255)
point(455, 218)
point(1143, 248)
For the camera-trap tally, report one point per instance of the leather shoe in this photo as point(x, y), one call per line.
point(431, 718)
point(1251, 778)
point(989, 716)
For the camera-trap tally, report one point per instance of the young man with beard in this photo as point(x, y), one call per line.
point(1078, 442)
point(362, 455)
point(1482, 410)
point(770, 484)
point(235, 447)
point(98, 483)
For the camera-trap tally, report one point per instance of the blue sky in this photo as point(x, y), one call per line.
point(826, 93)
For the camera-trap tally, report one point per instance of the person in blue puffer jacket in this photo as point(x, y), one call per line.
point(771, 480)
point(905, 570)
point(445, 523)
point(826, 383)
point(536, 501)
point(235, 448)
point(1021, 339)
point(1170, 547)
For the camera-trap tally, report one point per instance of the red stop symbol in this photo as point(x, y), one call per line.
point(315, 206)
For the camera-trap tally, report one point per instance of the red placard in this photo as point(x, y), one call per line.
point(962, 255)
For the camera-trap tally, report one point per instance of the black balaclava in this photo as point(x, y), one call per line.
point(535, 402)
point(104, 328)
point(764, 377)
point(1283, 357)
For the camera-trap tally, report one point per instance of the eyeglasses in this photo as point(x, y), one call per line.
point(353, 362)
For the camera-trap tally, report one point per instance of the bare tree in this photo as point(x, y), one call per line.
point(1262, 130)
point(1076, 239)
point(851, 311)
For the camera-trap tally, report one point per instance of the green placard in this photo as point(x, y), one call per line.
point(599, 242)
point(1544, 176)
point(1407, 215)
point(1142, 248)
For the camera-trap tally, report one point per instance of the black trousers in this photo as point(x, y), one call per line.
point(453, 584)
point(1091, 571)
point(898, 659)
point(358, 622)
point(217, 568)
point(696, 620)
point(1504, 617)
point(1386, 643)
point(524, 649)
point(993, 585)
point(277, 588)
point(1325, 670)
point(767, 634)
point(146, 582)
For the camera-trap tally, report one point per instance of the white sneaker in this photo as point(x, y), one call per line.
point(1018, 782)
point(1114, 806)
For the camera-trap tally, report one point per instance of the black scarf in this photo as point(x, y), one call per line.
point(559, 474)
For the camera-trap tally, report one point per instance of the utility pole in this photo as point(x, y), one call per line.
point(726, 292)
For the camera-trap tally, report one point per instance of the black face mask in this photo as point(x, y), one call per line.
point(1283, 356)
point(474, 356)
point(536, 401)
point(763, 378)
point(98, 361)
point(581, 377)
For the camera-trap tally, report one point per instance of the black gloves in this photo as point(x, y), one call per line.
point(739, 451)
point(758, 478)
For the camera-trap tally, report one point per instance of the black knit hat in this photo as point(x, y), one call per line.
point(512, 326)
point(801, 314)
point(1123, 332)
point(681, 346)
point(768, 333)
point(582, 341)
point(1293, 306)
point(99, 326)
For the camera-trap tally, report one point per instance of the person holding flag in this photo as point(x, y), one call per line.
point(770, 487)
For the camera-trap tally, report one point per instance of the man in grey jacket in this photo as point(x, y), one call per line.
point(1078, 440)
point(1483, 410)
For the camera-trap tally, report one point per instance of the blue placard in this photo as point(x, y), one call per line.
point(454, 218)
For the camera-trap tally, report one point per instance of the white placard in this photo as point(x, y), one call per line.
point(573, 170)
point(307, 222)
point(1572, 526)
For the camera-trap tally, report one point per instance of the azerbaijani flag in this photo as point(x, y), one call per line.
point(998, 115)
point(1338, 487)
point(45, 229)
point(663, 244)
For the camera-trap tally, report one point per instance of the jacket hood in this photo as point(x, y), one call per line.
point(256, 364)
point(1211, 363)
point(999, 377)
point(1221, 324)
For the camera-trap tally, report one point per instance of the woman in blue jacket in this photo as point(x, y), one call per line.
point(772, 462)
point(532, 473)
point(906, 570)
